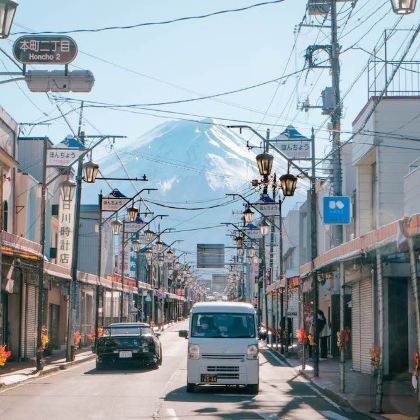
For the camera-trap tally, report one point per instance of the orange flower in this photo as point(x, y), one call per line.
point(375, 356)
point(301, 335)
point(4, 355)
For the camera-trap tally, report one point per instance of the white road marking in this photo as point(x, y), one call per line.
point(279, 360)
point(333, 416)
point(171, 413)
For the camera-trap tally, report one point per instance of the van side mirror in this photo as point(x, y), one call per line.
point(183, 333)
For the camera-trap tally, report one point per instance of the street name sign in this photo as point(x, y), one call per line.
point(111, 203)
point(253, 233)
point(45, 49)
point(337, 210)
point(267, 209)
point(62, 157)
point(133, 227)
point(295, 149)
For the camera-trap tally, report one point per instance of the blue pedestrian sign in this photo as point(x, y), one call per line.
point(337, 210)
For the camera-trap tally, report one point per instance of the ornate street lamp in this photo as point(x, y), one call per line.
point(265, 163)
point(403, 7)
point(161, 260)
point(116, 226)
point(90, 171)
point(251, 252)
point(288, 184)
point(170, 272)
point(159, 246)
point(255, 259)
point(7, 13)
point(170, 255)
point(67, 189)
point(136, 245)
point(149, 254)
point(264, 227)
point(177, 266)
point(132, 213)
point(148, 235)
point(248, 216)
point(240, 252)
point(239, 241)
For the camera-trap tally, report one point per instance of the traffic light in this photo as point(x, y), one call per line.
point(59, 81)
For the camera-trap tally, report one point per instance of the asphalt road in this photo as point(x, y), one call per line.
point(82, 392)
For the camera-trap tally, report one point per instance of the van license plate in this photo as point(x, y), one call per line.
point(125, 354)
point(208, 379)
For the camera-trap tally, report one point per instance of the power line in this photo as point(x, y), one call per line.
point(157, 23)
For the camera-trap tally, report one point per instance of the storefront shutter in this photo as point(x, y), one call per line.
point(30, 321)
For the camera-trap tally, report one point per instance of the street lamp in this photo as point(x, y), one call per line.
point(148, 235)
point(7, 13)
point(149, 254)
point(248, 216)
point(90, 171)
point(239, 241)
point(159, 246)
point(132, 213)
point(177, 266)
point(251, 251)
point(288, 184)
point(240, 252)
point(403, 7)
point(136, 245)
point(265, 163)
point(264, 227)
point(170, 255)
point(161, 260)
point(116, 226)
point(67, 189)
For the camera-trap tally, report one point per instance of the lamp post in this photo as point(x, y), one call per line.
point(7, 13)
point(403, 7)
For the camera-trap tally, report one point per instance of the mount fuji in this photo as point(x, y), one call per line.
point(193, 165)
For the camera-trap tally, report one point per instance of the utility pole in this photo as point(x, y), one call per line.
point(336, 116)
point(122, 271)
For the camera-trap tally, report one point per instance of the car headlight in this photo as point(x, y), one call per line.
point(252, 352)
point(193, 351)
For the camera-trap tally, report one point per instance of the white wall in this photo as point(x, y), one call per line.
point(412, 190)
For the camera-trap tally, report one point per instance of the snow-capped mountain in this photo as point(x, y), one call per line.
point(193, 165)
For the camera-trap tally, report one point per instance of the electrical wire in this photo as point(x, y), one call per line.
point(157, 23)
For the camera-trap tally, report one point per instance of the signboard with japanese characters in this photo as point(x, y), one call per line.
point(133, 227)
point(268, 209)
point(253, 233)
point(295, 149)
point(111, 203)
point(65, 232)
point(45, 49)
point(63, 157)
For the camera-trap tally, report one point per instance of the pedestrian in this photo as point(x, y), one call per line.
point(324, 342)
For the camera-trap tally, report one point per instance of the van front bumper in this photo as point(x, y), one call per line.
point(226, 372)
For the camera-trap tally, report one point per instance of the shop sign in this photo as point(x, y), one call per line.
point(65, 232)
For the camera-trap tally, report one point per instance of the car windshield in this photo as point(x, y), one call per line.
point(223, 325)
point(127, 330)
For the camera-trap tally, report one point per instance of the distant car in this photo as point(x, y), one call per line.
point(133, 342)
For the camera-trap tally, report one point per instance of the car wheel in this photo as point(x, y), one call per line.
point(190, 387)
point(254, 388)
point(99, 365)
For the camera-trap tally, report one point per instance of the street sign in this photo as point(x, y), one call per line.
point(111, 203)
point(253, 233)
point(62, 157)
point(337, 210)
point(133, 227)
point(45, 49)
point(268, 209)
point(293, 144)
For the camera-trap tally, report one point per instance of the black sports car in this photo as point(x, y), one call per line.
point(133, 342)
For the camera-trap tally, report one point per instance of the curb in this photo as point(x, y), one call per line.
point(47, 371)
point(327, 392)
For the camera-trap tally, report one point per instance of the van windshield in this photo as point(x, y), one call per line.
point(223, 325)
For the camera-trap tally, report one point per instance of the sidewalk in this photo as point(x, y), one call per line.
point(399, 399)
point(16, 372)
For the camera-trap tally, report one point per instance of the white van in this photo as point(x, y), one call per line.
point(223, 345)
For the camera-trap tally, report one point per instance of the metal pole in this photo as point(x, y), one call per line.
point(39, 349)
point(122, 271)
point(380, 370)
point(336, 114)
point(314, 254)
point(342, 312)
point(74, 260)
point(98, 287)
point(414, 286)
point(265, 286)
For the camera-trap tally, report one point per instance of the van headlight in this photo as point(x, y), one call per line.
point(252, 352)
point(193, 351)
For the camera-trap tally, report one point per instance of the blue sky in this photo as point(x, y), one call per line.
point(204, 56)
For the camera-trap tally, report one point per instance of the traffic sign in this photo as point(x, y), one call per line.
point(45, 49)
point(337, 210)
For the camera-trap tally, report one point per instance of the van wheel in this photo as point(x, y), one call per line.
point(254, 388)
point(190, 387)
